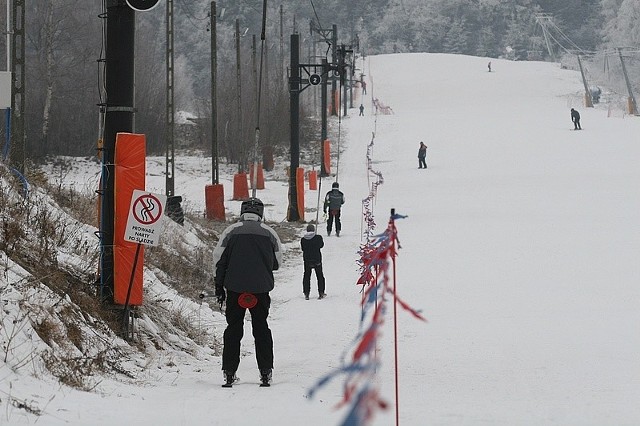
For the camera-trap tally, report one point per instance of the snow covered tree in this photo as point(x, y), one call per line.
point(622, 26)
point(456, 40)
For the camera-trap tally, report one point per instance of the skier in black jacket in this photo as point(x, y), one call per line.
point(422, 156)
point(575, 117)
point(333, 202)
point(311, 244)
point(246, 255)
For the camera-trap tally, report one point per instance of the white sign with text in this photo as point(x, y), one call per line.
point(145, 217)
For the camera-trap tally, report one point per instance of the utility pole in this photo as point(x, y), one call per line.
point(215, 171)
point(312, 58)
point(344, 77)
point(353, 69)
point(587, 93)
point(296, 85)
point(327, 37)
point(118, 118)
point(633, 107)
point(241, 152)
point(334, 46)
point(324, 86)
point(294, 127)
point(281, 67)
point(173, 208)
point(18, 138)
point(267, 162)
point(170, 108)
point(253, 163)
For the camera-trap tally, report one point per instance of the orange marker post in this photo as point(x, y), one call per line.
point(214, 202)
point(313, 180)
point(240, 187)
point(300, 189)
point(260, 176)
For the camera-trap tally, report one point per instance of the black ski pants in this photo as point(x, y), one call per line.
point(306, 278)
point(334, 215)
point(235, 330)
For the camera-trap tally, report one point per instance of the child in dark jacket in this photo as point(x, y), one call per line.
point(311, 244)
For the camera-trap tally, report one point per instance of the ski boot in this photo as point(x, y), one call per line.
point(265, 377)
point(229, 378)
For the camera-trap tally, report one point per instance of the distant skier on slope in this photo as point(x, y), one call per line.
point(575, 117)
point(333, 202)
point(422, 156)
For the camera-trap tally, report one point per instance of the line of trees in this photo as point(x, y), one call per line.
point(65, 41)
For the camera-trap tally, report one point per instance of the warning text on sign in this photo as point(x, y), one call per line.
point(142, 235)
point(143, 224)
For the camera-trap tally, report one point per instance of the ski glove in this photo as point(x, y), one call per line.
point(220, 294)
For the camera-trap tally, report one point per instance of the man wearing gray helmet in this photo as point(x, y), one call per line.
point(246, 255)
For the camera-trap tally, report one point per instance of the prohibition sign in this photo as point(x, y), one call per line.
point(147, 209)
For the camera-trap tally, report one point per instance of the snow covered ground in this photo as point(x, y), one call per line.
point(520, 248)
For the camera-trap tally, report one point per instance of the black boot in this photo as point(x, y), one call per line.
point(229, 378)
point(265, 377)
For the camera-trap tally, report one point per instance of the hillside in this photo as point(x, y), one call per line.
point(519, 248)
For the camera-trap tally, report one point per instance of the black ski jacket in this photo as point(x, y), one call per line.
point(333, 200)
point(246, 255)
point(575, 115)
point(311, 244)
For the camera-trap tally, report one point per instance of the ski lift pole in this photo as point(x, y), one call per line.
point(254, 180)
point(633, 107)
point(587, 93)
point(318, 205)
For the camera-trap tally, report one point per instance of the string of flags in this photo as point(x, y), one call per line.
point(359, 362)
point(367, 203)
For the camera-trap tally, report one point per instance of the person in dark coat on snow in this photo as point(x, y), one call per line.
point(575, 117)
point(422, 156)
point(311, 244)
point(361, 109)
point(245, 257)
point(333, 202)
